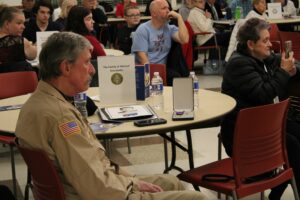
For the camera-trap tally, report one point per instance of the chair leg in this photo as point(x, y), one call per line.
point(166, 155)
point(296, 194)
point(262, 195)
point(219, 147)
point(128, 145)
point(28, 185)
point(219, 155)
point(13, 170)
point(234, 195)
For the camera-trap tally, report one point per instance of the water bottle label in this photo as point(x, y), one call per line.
point(157, 87)
point(80, 96)
point(196, 85)
point(161, 87)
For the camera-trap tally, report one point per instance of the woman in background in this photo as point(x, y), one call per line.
point(80, 20)
point(65, 9)
point(14, 49)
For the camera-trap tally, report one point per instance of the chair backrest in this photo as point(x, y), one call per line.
point(275, 38)
point(46, 182)
point(17, 83)
point(161, 68)
point(187, 48)
point(294, 37)
point(259, 140)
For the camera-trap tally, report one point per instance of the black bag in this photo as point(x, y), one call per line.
point(213, 67)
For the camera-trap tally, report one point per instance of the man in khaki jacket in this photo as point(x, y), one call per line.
point(50, 122)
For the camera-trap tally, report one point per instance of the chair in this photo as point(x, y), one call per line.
point(15, 84)
point(294, 95)
point(161, 68)
point(259, 147)
point(275, 38)
point(294, 37)
point(191, 42)
point(46, 184)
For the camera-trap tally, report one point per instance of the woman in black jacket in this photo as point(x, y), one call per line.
point(253, 77)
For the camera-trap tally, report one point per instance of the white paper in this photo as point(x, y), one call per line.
point(126, 112)
point(41, 37)
point(274, 10)
point(117, 80)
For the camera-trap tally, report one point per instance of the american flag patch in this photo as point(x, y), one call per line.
point(69, 128)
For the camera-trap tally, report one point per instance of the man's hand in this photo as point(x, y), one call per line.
point(173, 15)
point(148, 187)
point(288, 64)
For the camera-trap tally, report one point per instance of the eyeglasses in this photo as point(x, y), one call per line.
point(132, 16)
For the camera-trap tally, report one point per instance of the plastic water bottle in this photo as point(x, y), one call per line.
point(238, 13)
point(80, 103)
point(196, 89)
point(157, 91)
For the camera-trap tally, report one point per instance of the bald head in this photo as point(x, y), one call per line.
point(157, 5)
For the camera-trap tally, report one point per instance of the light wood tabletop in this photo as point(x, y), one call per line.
point(212, 105)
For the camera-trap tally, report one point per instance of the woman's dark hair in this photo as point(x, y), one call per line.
point(44, 3)
point(75, 20)
point(250, 30)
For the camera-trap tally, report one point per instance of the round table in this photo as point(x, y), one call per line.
point(212, 107)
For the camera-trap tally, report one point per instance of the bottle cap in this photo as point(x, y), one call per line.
point(156, 73)
point(192, 73)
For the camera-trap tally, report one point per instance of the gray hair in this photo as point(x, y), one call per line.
point(59, 47)
point(250, 30)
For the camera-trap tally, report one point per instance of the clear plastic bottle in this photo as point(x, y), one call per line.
point(157, 91)
point(237, 13)
point(196, 89)
point(80, 103)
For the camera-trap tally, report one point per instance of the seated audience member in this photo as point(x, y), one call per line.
point(27, 6)
point(201, 21)
point(120, 7)
point(80, 20)
point(246, 6)
point(152, 39)
point(214, 8)
point(57, 11)
point(99, 16)
point(80, 159)
point(259, 11)
point(14, 49)
point(147, 10)
point(185, 9)
point(253, 77)
point(125, 34)
point(288, 7)
point(43, 11)
point(65, 9)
